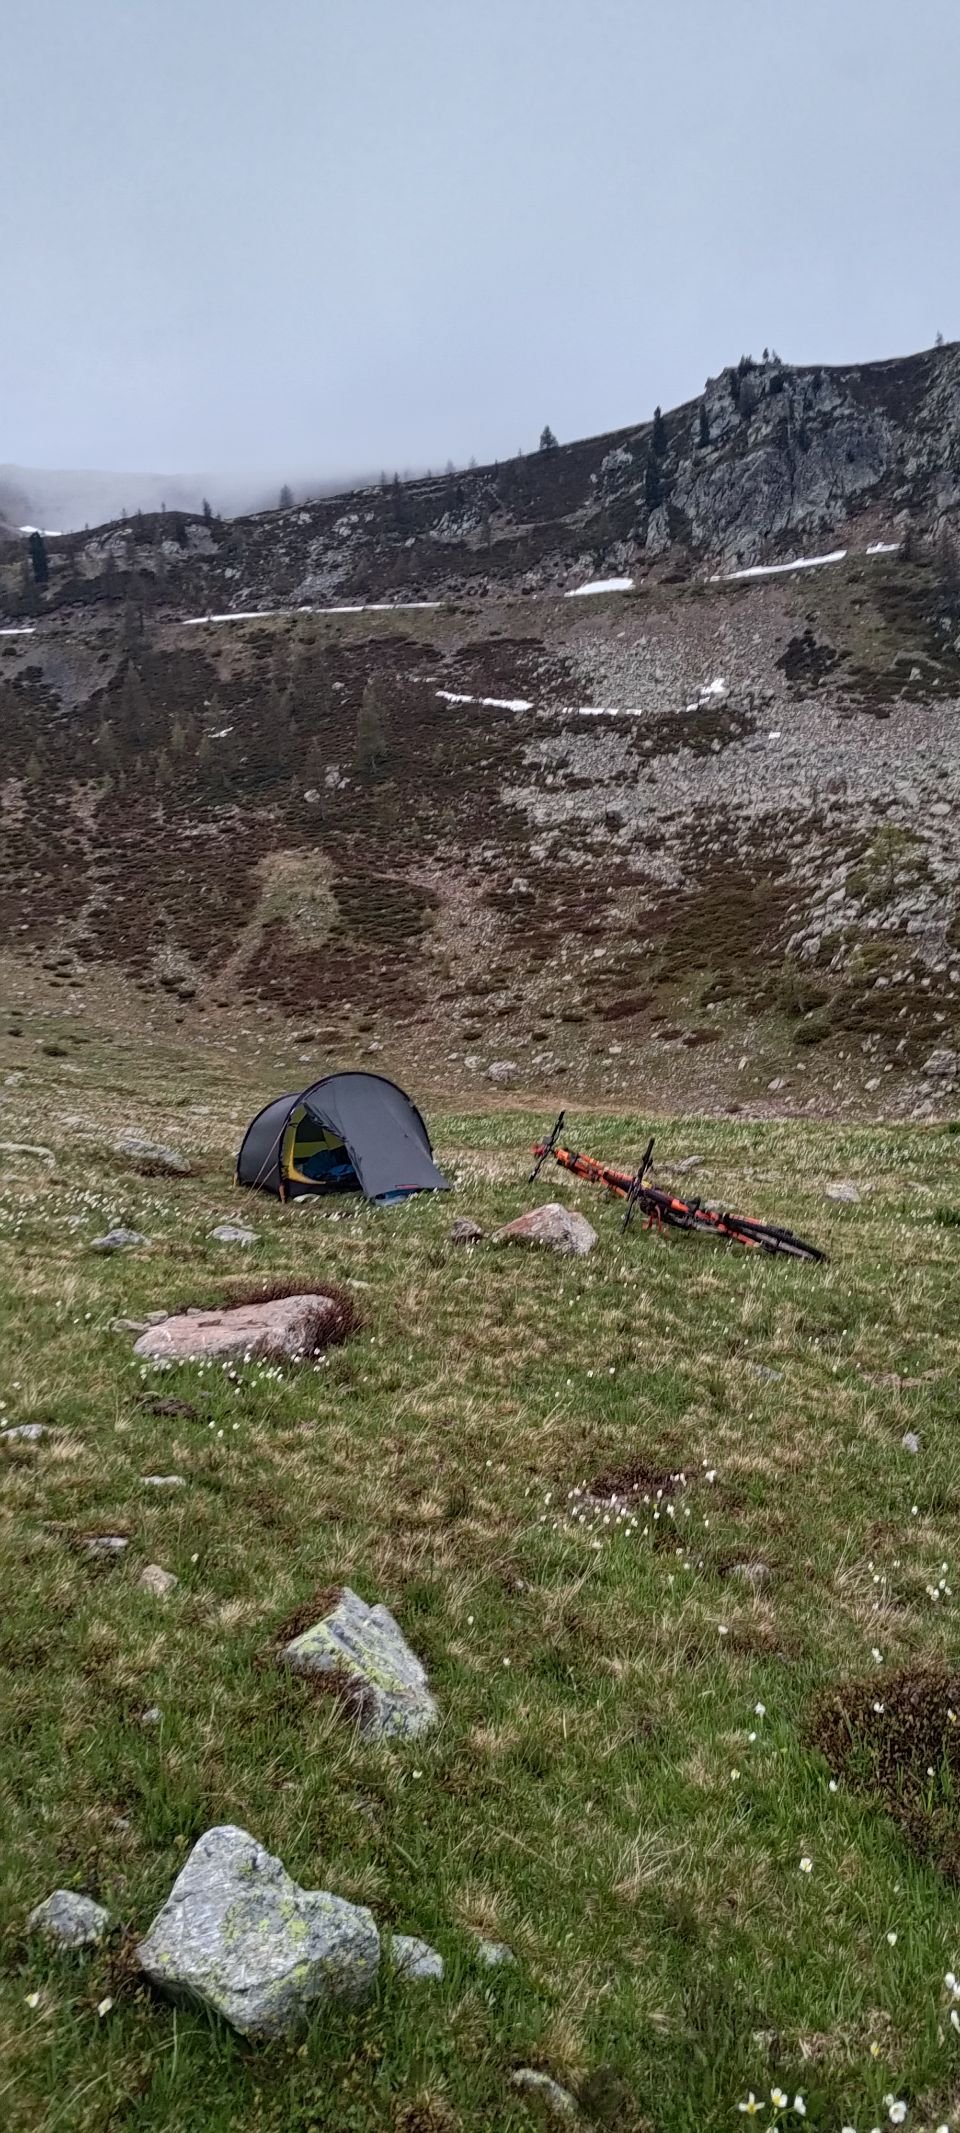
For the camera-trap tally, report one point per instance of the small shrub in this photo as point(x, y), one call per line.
point(813, 1029)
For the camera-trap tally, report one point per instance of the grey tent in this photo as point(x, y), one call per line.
point(347, 1133)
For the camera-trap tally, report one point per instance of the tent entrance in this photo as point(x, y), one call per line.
point(313, 1158)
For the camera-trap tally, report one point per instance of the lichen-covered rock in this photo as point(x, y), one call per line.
point(383, 1680)
point(239, 1936)
point(465, 1231)
point(233, 1233)
point(72, 1920)
point(152, 1157)
point(119, 1240)
point(287, 1329)
point(561, 1228)
point(415, 1958)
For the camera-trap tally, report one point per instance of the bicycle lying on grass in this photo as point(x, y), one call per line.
point(665, 1209)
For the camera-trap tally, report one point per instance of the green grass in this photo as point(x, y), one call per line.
point(602, 1792)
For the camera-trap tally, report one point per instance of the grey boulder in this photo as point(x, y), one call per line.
point(465, 1231)
point(75, 1921)
point(233, 1233)
point(24, 1433)
point(560, 1228)
point(844, 1189)
point(384, 1682)
point(239, 1936)
point(415, 1958)
point(152, 1156)
point(942, 1065)
point(118, 1240)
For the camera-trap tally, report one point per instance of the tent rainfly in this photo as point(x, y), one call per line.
point(347, 1133)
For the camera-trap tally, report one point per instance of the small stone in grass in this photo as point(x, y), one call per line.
point(756, 1575)
point(24, 1433)
point(415, 1958)
point(118, 1240)
point(104, 1543)
point(494, 1953)
point(151, 1156)
point(559, 1228)
point(151, 1716)
point(75, 1921)
point(163, 1481)
point(544, 2087)
point(465, 1231)
point(157, 1580)
point(910, 1441)
point(843, 1189)
point(233, 1233)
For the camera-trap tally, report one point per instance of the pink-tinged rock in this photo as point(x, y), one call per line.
point(559, 1227)
point(286, 1330)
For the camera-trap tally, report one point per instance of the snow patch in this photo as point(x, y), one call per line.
point(600, 585)
point(49, 533)
point(240, 614)
point(262, 614)
point(23, 629)
point(882, 547)
point(776, 570)
point(492, 703)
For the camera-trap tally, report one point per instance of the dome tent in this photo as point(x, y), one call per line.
point(346, 1133)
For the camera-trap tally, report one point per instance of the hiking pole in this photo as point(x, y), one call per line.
point(636, 1185)
point(545, 1148)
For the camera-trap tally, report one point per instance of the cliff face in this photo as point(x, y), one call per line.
point(769, 459)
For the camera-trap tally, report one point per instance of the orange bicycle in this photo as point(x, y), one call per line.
point(665, 1209)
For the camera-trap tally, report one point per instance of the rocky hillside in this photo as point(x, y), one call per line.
point(769, 459)
point(695, 844)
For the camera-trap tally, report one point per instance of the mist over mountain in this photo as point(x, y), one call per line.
point(66, 499)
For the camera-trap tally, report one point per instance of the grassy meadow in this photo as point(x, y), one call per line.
point(697, 1762)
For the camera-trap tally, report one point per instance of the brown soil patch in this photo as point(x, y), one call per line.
point(885, 1734)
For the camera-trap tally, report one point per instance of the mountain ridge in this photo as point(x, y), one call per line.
point(767, 456)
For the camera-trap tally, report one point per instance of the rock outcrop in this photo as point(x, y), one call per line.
point(288, 1329)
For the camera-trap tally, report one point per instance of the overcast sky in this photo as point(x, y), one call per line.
point(315, 237)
